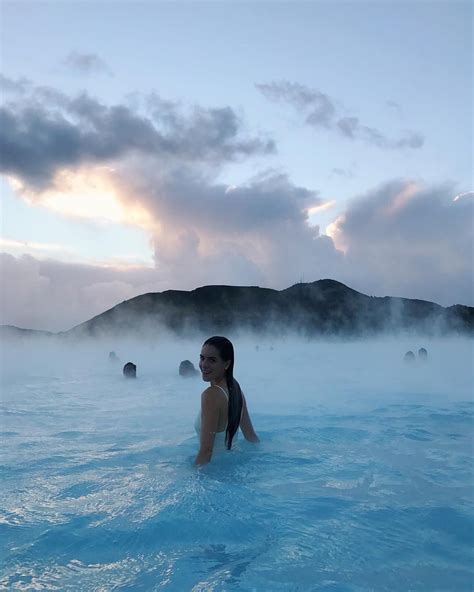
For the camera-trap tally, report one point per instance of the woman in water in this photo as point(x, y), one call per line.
point(223, 406)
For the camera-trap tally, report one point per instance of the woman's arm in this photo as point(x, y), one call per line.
point(209, 419)
point(246, 424)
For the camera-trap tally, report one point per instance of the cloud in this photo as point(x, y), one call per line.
point(47, 131)
point(210, 231)
point(403, 238)
point(91, 193)
point(351, 128)
point(19, 246)
point(157, 167)
point(319, 110)
point(341, 172)
point(48, 294)
point(86, 63)
point(394, 106)
point(203, 233)
point(186, 196)
point(19, 86)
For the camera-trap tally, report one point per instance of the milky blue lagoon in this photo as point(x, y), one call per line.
point(363, 480)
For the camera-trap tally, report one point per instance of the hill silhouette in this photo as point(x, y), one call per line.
point(324, 307)
point(10, 331)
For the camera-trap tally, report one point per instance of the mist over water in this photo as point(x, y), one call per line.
point(363, 479)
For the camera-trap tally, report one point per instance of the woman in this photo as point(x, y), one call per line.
point(223, 406)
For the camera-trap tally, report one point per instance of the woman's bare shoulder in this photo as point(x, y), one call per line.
point(211, 393)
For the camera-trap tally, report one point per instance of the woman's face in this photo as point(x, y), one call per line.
point(211, 364)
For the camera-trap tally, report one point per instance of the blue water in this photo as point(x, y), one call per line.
point(363, 480)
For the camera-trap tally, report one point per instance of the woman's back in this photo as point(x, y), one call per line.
point(223, 413)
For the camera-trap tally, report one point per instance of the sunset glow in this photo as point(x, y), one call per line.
point(461, 195)
point(332, 230)
point(402, 199)
point(87, 193)
point(6, 243)
point(321, 207)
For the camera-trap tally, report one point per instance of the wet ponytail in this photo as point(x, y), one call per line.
point(235, 410)
point(226, 351)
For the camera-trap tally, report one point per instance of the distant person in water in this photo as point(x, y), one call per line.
point(409, 357)
point(113, 357)
point(223, 405)
point(130, 370)
point(422, 354)
point(187, 369)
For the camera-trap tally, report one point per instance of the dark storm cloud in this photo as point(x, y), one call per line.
point(86, 63)
point(319, 110)
point(47, 131)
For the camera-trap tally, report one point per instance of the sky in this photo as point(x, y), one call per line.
point(154, 146)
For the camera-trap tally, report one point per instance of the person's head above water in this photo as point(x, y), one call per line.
point(422, 353)
point(130, 370)
point(409, 357)
point(187, 369)
point(216, 363)
point(113, 357)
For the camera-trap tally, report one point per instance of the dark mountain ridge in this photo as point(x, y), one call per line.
point(319, 308)
point(324, 307)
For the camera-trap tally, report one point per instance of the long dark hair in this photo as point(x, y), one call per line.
point(226, 352)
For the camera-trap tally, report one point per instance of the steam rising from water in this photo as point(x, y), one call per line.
point(279, 374)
